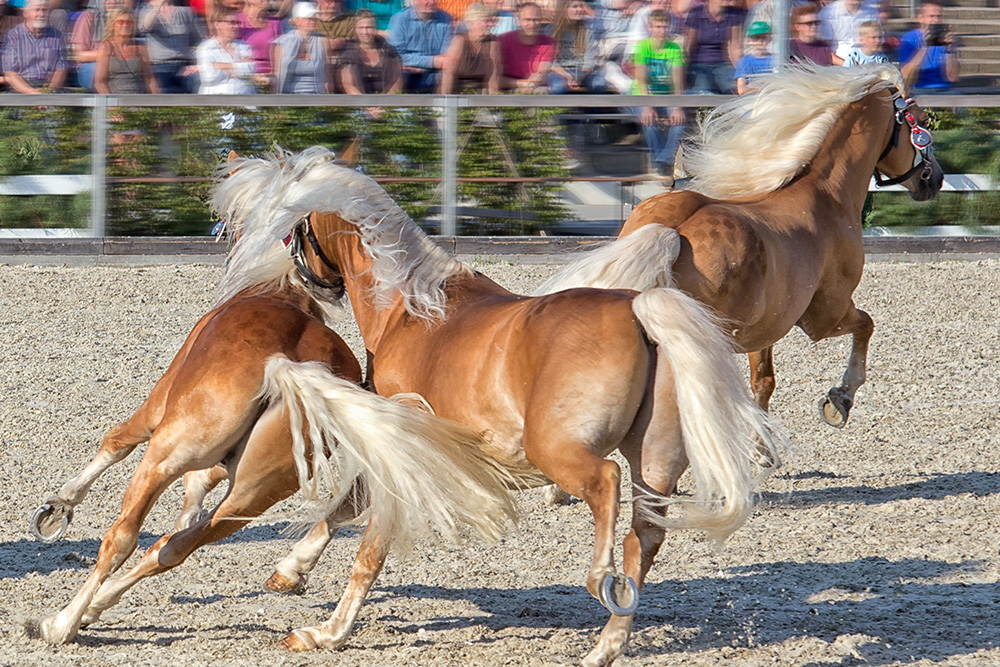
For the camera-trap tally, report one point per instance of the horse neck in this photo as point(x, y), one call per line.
point(843, 166)
point(342, 244)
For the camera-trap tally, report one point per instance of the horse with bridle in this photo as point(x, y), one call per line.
point(265, 392)
point(554, 383)
point(770, 236)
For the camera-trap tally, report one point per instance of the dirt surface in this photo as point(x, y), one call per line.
point(876, 544)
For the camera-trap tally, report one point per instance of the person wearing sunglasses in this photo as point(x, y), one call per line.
point(806, 46)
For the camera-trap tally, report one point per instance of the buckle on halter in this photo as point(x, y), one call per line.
point(920, 138)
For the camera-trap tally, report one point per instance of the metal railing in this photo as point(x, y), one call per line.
point(448, 106)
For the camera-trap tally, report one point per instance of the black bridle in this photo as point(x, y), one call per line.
point(919, 137)
point(303, 232)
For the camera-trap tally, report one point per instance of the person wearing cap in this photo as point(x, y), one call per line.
point(421, 34)
point(299, 58)
point(757, 60)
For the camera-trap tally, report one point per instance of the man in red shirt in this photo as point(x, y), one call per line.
point(526, 53)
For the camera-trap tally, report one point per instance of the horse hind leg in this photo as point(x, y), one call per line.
point(334, 632)
point(836, 406)
point(656, 461)
point(52, 518)
point(292, 572)
point(263, 474)
point(762, 383)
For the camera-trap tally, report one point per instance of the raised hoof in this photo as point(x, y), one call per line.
point(51, 519)
point(835, 408)
point(553, 495)
point(279, 583)
point(619, 594)
point(296, 643)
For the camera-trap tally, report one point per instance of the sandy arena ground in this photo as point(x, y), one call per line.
point(874, 545)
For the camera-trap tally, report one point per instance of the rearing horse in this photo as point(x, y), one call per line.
point(555, 383)
point(771, 236)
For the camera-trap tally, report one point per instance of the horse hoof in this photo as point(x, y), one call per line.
point(835, 409)
point(279, 583)
point(51, 519)
point(619, 594)
point(296, 643)
point(553, 495)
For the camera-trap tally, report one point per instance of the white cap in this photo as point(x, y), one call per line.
point(304, 10)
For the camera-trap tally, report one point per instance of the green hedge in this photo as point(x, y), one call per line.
point(162, 143)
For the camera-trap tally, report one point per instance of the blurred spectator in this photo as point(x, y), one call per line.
point(806, 46)
point(259, 30)
point(758, 60)
point(839, 23)
point(576, 51)
point(527, 54)
point(714, 44)
point(473, 59)
point(9, 17)
point(615, 18)
point(659, 70)
point(172, 34)
point(504, 20)
point(371, 65)
point(336, 24)
point(421, 34)
point(225, 63)
point(88, 32)
point(34, 53)
point(870, 51)
point(890, 41)
point(927, 56)
point(122, 65)
point(299, 59)
point(455, 8)
point(639, 27)
point(383, 10)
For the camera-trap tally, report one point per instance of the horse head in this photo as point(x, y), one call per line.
point(908, 158)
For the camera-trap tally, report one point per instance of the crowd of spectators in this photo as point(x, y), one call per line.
point(447, 46)
point(454, 46)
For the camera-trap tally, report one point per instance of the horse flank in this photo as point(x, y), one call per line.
point(263, 199)
point(757, 143)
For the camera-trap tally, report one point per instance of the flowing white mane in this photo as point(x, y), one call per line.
point(759, 142)
point(262, 199)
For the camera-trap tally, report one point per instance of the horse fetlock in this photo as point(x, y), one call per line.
point(50, 521)
point(279, 583)
point(608, 649)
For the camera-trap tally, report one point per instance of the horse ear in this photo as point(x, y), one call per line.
point(350, 156)
point(232, 156)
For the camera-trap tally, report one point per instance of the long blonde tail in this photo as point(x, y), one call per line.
point(640, 261)
point(726, 436)
point(427, 477)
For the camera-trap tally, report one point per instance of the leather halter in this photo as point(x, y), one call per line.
point(919, 137)
point(303, 231)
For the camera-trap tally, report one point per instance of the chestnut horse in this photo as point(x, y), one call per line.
point(555, 383)
point(771, 238)
point(264, 387)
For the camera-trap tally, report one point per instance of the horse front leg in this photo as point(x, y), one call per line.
point(762, 376)
point(197, 485)
point(334, 632)
point(836, 406)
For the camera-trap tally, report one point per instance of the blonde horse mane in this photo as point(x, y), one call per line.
point(757, 143)
point(263, 199)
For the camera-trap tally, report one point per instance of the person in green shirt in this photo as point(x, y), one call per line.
point(659, 70)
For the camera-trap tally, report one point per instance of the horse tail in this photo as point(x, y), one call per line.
point(730, 443)
point(640, 261)
point(427, 477)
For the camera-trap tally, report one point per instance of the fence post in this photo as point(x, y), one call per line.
point(449, 167)
point(98, 166)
